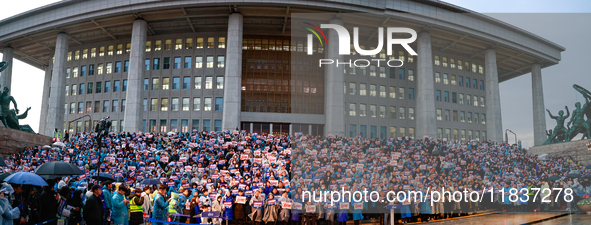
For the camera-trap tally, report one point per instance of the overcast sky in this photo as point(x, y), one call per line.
point(563, 22)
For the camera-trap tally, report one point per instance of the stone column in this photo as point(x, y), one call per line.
point(290, 129)
point(134, 107)
point(45, 98)
point(233, 77)
point(57, 99)
point(425, 113)
point(334, 98)
point(537, 91)
point(494, 123)
point(6, 77)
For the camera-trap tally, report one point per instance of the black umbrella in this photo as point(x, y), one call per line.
point(151, 182)
point(553, 178)
point(58, 168)
point(2, 162)
point(574, 174)
point(5, 175)
point(104, 177)
point(588, 166)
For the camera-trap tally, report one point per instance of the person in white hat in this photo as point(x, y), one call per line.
point(8, 213)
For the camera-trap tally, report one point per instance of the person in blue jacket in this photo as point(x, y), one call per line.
point(160, 208)
point(107, 196)
point(119, 211)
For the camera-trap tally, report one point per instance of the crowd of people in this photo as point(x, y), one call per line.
point(261, 178)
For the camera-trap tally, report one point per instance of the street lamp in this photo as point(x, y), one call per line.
point(507, 137)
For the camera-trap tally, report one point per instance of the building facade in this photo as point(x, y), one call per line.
point(156, 66)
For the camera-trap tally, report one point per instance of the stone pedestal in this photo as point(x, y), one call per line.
point(13, 141)
point(575, 149)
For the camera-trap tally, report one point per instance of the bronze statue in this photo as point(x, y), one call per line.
point(577, 123)
point(560, 131)
point(9, 116)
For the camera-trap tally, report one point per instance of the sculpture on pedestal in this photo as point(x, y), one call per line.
point(9, 116)
point(577, 123)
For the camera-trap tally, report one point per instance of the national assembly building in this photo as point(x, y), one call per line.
point(172, 65)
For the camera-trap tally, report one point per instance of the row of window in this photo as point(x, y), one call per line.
point(459, 98)
point(115, 86)
point(373, 91)
point(164, 126)
point(107, 68)
point(175, 104)
point(476, 84)
point(373, 111)
point(120, 48)
point(463, 116)
point(409, 75)
point(458, 134)
point(458, 64)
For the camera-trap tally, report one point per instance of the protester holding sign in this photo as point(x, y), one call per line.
point(256, 202)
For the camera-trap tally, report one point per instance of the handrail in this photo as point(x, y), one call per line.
point(89, 121)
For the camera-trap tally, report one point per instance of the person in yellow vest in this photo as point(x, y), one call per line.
point(136, 210)
point(173, 207)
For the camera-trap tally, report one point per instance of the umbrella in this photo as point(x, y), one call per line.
point(26, 178)
point(543, 157)
point(103, 177)
point(171, 133)
point(59, 144)
point(58, 168)
point(46, 146)
point(2, 162)
point(553, 178)
point(438, 153)
point(574, 174)
point(5, 175)
point(150, 182)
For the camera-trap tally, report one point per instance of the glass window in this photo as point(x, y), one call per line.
point(437, 77)
point(467, 82)
point(164, 104)
point(446, 96)
point(402, 113)
point(110, 50)
point(80, 107)
point(462, 116)
point(221, 42)
point(461, 81)
point(468, 100)
point(89, 88)
point(447, 115)
point(475, 100)
point(210, 42)
point(452, 63)
point(469, 118)
point(92, 52)
point(474, 83)
point(106, 106)
point(178, 44)
point(400, 73)
point(219, 104)
point(352, 87)
point(67, 90)
point(187, 63)
point(199, 43)
point(184, 126)
point(392, 112)
point(124, 85)
point(72, 108)
point(372, 111)
point(383, 72)
point(186, 82)
point(444, 60)
point(372, 90)
point(148, 46)
point(209, 63)
point(207, 104)
point(402, 132)
point(88, 107)
point(115, 106)
point(156, 64)
point(196, 104)
point(102, 51)
point(177, 62)
point(119, 49)
point(352, 109)
point(107, 86)
point(482, 101)
point(145, 104)
point(165, 83)
point(221, 62)
point(437, 63)
point(82, 88)
point(411, 75)
point(109, 68)
point(453, 79)
point(206, 125)
point(174, 106)
point(461, 99)
point(363, 131)
point(362, 110)
point(362, 89)
point(99, 86)
point(372, 131)
point(83, 71)
point(168, 44)
point(163, 126)
point(166, 63)
point(382, 111)
point(195, 124)
point(411, 113)
point(186, 103)
point(219, 82)
point(198, 62)
point(352, 130)
point(197, 82)
point(439, 116)
point(126, 66)
point(454, 97)
point(154, 104)
point(90, 69)
point(445, 79)
point(382, 91)
point(481, 85)
point(455, 116)
point(208, 82)
point(147, 64)
point(75, 72)
point(115, 86)
point(438, 95)
point(176, 83)
point(155, 83)
point(401, 93)
point(189, 43)
point(411, 93)
point(392, 92)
